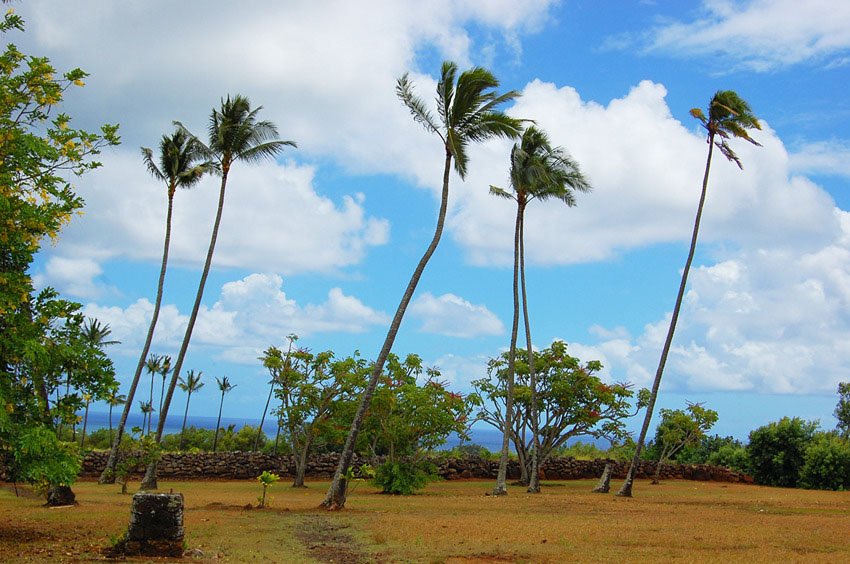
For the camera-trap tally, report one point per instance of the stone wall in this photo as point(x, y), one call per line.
point(249, 465)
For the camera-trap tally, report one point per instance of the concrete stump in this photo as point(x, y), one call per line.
point(156, 525)
point(604, 485)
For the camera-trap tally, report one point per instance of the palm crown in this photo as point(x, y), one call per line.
point(728, 116)
point(467, 109)
point(178, 155)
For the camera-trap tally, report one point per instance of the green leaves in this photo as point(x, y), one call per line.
point(728, 116)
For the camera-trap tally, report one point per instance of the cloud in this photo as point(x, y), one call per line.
point(452, 316)
point(273, 220)
point(248, 316)
point(823, 157)
point(75, 277)
point(459, 371)
point(646, 170)
point(761, 35)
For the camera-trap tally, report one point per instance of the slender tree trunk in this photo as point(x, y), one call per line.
point(110, 423)
point(301, 465)
point(218, 422)
point(85, 424)
point(335, 498)
point(185, 416)
point(263, 418)
point(534, 473)
point(626, 488)
point(161, 393)
point(501, 476)
point(150, 473)
point(108, 475)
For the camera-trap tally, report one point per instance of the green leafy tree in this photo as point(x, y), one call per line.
point(842, 410)
point(728, 116)
point(273, 361)
point(190, 385)
point(311, 388)
point(678, 429)
point(235, 135)
point(224, 386)
point(408, 419)
point(178, 167)
point(467, 112)
point(826, 464)
point(41, 154)
point(574, 402)
point(538, 172)
point(777, 451)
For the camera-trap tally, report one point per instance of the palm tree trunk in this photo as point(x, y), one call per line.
point(185, 416)
point(85, 424)
point(502, 474)
point(335, 498)
point(108, 474)
point(626, 488)
point(263, 418)
point(110, 422)
point(534, 477)
point(218, 422)
point(150, 473)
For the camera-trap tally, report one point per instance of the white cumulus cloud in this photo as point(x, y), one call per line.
point(454, 316)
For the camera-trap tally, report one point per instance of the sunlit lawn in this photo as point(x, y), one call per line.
point(458, 522)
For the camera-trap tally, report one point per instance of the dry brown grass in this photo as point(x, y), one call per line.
point(457, 522)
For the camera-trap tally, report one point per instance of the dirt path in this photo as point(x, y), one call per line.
point(327, 541)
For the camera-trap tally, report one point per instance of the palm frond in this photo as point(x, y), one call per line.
point(415, 104)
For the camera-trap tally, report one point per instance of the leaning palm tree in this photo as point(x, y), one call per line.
point(538, 172)
point(467, 113)
point(224, 386)
point(235, 135)
point(728, 116)
point(178, 167)
point(190, 385)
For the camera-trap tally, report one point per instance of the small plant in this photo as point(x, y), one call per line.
point(266, 479)
point(403, 478)
point(356, 476)
point(134, 453)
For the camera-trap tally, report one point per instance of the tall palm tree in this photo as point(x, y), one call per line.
point(728, 116)
point(190, 385)
point(224, 386)
point(147, 412)
point(114, 399)
point(235, 134)
point(164, 369)
point(467, 113)
point(154, 367)
point(178, 167)
point(538, 172)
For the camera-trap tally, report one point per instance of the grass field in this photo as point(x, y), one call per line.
point(458, 522)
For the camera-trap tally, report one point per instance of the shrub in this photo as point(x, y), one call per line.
point(708, 447)
point(777, 451)
point(827, 463)
point(731, 456)
point(403, 478)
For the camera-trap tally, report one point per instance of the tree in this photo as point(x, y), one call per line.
point(190, 385)
point(147, 410)
point(842, 410)
point(224, 386)
point(164, 369)
point(40, 333)
point(154, 366)
point(86, 398)
point(777, 451)
point(680, 428)
point(311, 388)
point(467, 107)
point(728, 116)
point(235, 135)
point(538, 171)
point(273, 361)
point(178, 168)
point(114, 399)
point(827, 463)
point(574, 402)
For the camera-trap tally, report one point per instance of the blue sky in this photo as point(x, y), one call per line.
point(321, 242)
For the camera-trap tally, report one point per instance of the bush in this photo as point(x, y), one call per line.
point(827, 463)
point(777, 451)
point(403, 478)
point(582, 451)
point(469, 450)
point(731, 456)
point(708, 447)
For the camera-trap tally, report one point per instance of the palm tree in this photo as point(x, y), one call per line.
point(235, 135)
point(541, 172)
point(728, 116)
point(178, 168)
point(164, 369)
point(273, 361)
point(147, 411)
point(154, 367)
point(467, 112)
point(96, 333)
point(224, 386)
point(87, 398)
point(114, 399)
point(191, 384)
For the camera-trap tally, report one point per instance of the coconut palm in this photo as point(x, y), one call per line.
point(728, 116)
point(466, 113)
point(164, 369)
point(235, 135)
point(87, 398)
point(224, 386)
point(538, 172)
point(114, 399)
point(154, 367)
point(147, 413)
point(190, 385)
point(179, 167)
